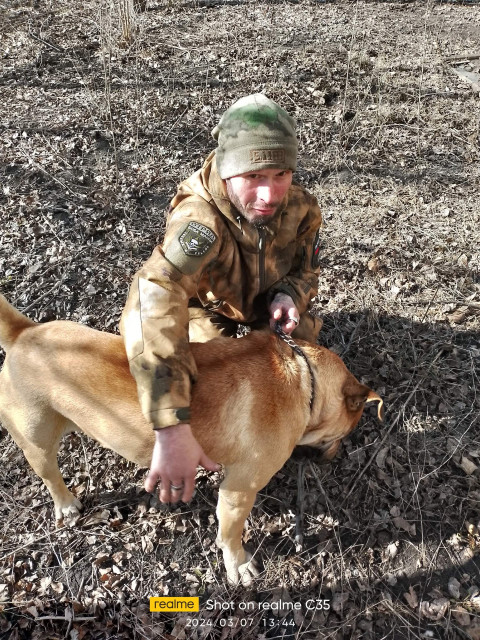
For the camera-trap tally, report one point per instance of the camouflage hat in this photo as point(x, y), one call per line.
point(255, 133)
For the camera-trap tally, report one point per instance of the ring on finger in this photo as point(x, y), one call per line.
point(295, 321)
point(175, 488)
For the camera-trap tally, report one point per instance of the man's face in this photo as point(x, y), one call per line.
point(257, 196)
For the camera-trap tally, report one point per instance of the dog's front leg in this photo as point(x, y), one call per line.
point(331, 450)
point(232, 510)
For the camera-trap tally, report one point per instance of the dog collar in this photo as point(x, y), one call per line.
point(293, 345)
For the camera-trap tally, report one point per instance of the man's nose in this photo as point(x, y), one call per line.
point(266, 191)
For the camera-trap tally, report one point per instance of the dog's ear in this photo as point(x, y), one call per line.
point(357, 395)
point(374, 397)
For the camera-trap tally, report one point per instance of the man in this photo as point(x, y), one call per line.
point(241, 246)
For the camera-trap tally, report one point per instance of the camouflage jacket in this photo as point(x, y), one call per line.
point(212, 254)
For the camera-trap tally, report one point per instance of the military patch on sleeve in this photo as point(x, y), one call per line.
point(186, 251)
point(316, 250)
point(196, 239)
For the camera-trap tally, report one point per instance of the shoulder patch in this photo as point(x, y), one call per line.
point(187, 249)
point(316, 250)
point(196, 239)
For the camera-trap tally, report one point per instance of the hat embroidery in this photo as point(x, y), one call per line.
point(276, 156)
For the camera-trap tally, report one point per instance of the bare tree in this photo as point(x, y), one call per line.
point(128, 12)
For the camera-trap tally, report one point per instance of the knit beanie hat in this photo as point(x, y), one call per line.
point(255, 133)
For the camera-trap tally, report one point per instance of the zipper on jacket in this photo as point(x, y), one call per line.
point(261, 258)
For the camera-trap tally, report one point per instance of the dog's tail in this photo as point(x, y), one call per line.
point(12, 323)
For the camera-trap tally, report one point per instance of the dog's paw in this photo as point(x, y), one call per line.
point(68, 514)
point(241, 569)
point(248, 572)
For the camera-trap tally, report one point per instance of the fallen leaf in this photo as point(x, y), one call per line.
point(401, 523)
point(338, 601)
point(380, 458)
point(461, 616)
point(434, 610)
point(474, 632)
point(373, 264)
point(468, 466)
point(411, 598)
point(97, 517)
point(454, 588)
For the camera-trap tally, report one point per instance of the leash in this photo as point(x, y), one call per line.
point(294, 346)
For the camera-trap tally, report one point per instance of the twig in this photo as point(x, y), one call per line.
point(29, 544)
point(474, 56)
point(404, 620)
point(107, 77)
point(43, 296)
point(420, 88)
point(80, 588)
point(165, 138)
point(164, 43)
point(49, 44)
point(432, 300)
point(47, 293)
point(38, 166)
point(64, 618)
point(354, 333)
point(70, 622)
point(300, 507)
point(320, 486)
point(459, 303)
point(348, 71)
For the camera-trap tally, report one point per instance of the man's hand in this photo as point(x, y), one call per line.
point(175, 458)
point(283, 310)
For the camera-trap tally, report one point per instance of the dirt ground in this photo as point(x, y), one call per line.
point(95, 133)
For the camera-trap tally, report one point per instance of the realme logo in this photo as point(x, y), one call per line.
point(174, 604)
point(267, 155)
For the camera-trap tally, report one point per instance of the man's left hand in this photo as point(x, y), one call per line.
point(283, 310)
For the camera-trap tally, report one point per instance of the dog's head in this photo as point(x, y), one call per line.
point(338, 405)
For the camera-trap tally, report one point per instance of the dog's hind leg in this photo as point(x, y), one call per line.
point(45, 464)
point(38, 434)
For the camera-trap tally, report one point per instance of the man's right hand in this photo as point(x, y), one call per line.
point(175, 458)
point(283, 311)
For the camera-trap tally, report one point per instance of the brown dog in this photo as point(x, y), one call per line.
point(250, 407)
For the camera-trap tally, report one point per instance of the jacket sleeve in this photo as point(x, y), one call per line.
point(154, 323)
point(301, 282)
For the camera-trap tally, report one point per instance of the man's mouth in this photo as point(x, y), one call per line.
point(264, 211)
